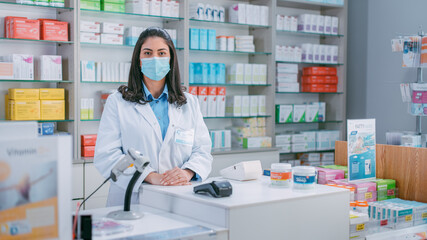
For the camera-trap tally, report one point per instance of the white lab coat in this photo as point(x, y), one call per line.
point(127, 125)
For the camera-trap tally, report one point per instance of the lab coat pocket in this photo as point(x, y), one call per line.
point(183, 141)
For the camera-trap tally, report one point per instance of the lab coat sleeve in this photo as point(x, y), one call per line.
point(109, 148)
point(200, 160)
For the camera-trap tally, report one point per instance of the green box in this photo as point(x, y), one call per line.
point(114, 1)
point(386, 189)
point(90, 5)
point(112, 7)
point(344, 168)
point(284, 113)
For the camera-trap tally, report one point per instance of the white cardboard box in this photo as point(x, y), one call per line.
point(233, 106)
point(113, 28)
point(86, 37)
point(236, 73)
point(299, 113)
point(245, 106)
point(248, 74)
point(253, 105)
point(261, 105)
point(115, 39)
point(90, 26)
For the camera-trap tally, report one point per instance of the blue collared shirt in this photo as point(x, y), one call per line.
point(160, 108)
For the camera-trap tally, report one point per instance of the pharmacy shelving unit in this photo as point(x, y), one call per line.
point(85, 177)
point(335, 102)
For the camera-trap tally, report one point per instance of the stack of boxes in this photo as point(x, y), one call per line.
point(287, 77)
point(248, 14)
point(90, 31)
point(288, 53)
point(245, 43)
point(317, 53)
point(324, 175)
point(317, 159)
point(21, 66)
point(319, 79)
point(92, 71)
point(203, 39)
point(287, 23)
point(112, 33)
point(220, 139)
point(246, 73)
point(318, 24)
point(308, 141)
point(298, 113)
point(35, 104)
point(88, 142)
point(165, 8)
point(245, 106)
point(41, 29)
point(207, 12)
point(211, 100)
point(207, 73)
point(250, 133)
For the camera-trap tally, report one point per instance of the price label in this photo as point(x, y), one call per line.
point(368, 195)
point(360, 227)
point(390, 192)
point(408, 218)
point(424, 215)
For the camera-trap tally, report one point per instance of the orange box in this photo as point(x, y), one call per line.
point(319, 79)
point(7, 21)
point(193, 91)
point(88, 151)
point(54, 30)
point(212, 91)
point(88, 140)
point(319, 88)
point(319, 71)
point(24, 28)
point(220, 91)
point(6, 70)
point(202, 91)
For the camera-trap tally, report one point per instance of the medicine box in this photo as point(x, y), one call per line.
point(298, 138)
point(24, 28)
point(325, 175)
point(212, 97)
point(257, 142)
point(284, 148)
point(299, 147)
point(283, 139)
point(287, 87)
point(202, 95)
point(261, 105)
point(87, 37)
point(203, 39)
point(237, 13)
point(88, 139)
point(253, 105)
point(284, 113)
point(236, 73)
point(198, 72)
point(194, 38)
point(24, 94)
point(233, 106)
point(211, 73)
point(114, 39)
point(247, 74)
point(205, 73)
point(192, 91)
point(299, 111)
point(245, 106)
point(90, 26)
point(54, 30)
point(50, 67)
point(386, 189)
point(23, 66)
point(310, 157)
point(331, 71)
point(220, 110)
point(211, 39)
point(112, 7)
point(24, 109)
point(263, 74)
point(220, 73)
point(311, 139)
point(90, 5)
point(47, 128)
point(88, 151)
point(52, 94)
point(6, 70)
point(287, 77)
point(245, 122)
point(52, 109)
point(312, 113)
point(365, 191)
point(113, 28)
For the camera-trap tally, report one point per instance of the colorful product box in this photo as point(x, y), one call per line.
point(202, 95)
point(88, 151)
point(112, 7)
point(326, 174)
point(365, 191)
point(386, 189)
point(319, 88)
point(212, 92)
point(88, 139)
point(344, 168)
point(52, 109)
point(331, 71)
point(90, 5)
point(284, 113)
point(52, 94)
point(194, 38)
point(24, 109)
point(54, 30)
point(257, 142)
point(220, 101)
point(6, 70)
point(211, 39)
point(299, 112)
point(24, 29)
point(47, 128)
point(192, 91)
point(319, 79)
point(24, 94)
point(203, 39)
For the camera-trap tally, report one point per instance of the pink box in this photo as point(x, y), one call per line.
point(419, 97)
point(365, 191)
point(325, 175)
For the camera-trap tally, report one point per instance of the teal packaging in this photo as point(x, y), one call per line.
point(191, 72)
point(211, 73)
point(203, 39)
point(198, 73)
point(194, 38)
point(221, 76)
point(212, 39)
point(205, 73)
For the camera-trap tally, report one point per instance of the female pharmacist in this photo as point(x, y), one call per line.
point(153, 115)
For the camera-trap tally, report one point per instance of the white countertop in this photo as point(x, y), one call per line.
point(244, 193)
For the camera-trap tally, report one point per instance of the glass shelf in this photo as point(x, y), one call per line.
point(305, 4)
point(333, 121)
point(96, 14)
point(237, 150)
point(34, 6)
point(312, 63)
point(35, 81)
point(104, 82)
point(40, 121)
point(34, 40)
point(231, 52)
point(90, 120)
point(319, 151)
point(227, 84)
point(230, 23)
point(308, 33)
point(310, 93)
point(99, 45)
point(231, 117)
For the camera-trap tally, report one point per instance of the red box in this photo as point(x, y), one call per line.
point(88, 139)
point(319, 71)
point(88, 151)
point(212, 91)
point(24, 28)
point(202, 91)
point(54, 30)
point(313, 79)
point(220, 91)
point(319, 88)
point(193, 91)
point(7, 24)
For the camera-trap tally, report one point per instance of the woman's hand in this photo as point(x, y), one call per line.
point(154, 178)
point(177, 176)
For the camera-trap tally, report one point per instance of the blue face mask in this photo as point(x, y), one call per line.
point(155, 68)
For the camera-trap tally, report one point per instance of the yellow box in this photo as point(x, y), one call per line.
point(25, 109)
point(52, 110)
point(24, 94)
point(52, 94)
point(6, 107)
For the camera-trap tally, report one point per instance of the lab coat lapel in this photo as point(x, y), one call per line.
point(174, 114)
point(146, 111)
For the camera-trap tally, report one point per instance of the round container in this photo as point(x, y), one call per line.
point(304, 177)
point(281, 174)
point(221, 43)
point(230, 43)
point(353, 206)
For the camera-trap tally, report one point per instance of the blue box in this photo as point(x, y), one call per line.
point(194, 38)
point(203, 39)
point(205, 73)
point(212, 73)
point(220, 73)
point(47, 128)
point(131, 41)
point(191, 73)
point(211, 39)
point(198, 72)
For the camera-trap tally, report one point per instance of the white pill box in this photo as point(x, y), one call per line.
point(90, 26)
point(114, 28)
point(87, 37)
point(115, 39)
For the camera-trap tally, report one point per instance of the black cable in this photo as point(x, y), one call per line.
point(129, 189)
point(106, 180)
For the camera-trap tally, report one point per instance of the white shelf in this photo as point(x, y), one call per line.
point(394, 234)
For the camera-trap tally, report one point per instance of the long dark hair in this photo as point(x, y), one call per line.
point(134, 92)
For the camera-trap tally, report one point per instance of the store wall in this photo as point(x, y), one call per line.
point(374, 72)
